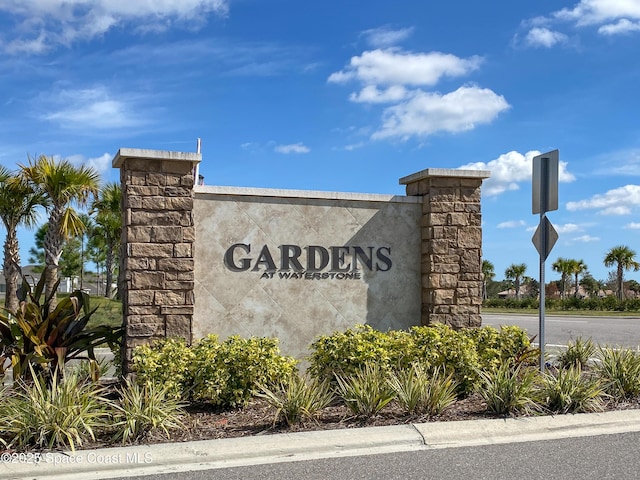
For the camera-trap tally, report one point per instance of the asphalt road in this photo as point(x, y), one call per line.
point(560, 329)
point(602, 457)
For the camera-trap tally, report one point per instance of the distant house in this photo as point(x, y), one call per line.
point(91, 283)
point(511, 293)
point(27, 271)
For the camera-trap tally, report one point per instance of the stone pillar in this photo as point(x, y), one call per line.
point(156, 260)
point(451, 244)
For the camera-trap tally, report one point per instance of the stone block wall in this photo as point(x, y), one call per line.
point(157, 273)
point(451, 244)
point(156, 261)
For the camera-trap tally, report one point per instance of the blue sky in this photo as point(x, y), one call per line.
point(346, 96)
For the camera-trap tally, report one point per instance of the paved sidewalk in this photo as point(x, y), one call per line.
point(208, 454)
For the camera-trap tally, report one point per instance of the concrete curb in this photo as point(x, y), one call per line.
point(287, 447)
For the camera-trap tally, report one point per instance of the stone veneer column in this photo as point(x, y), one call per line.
point(156, 260)
point(451, 244)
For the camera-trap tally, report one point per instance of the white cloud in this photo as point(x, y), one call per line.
point(616, 210)
point(586, 239)
point(385, 36)
point(511, 224)
point(354, 146)
point(620, 27)
point(510, 169)
point(292, 148)
point(396, 67)
point(427, 113)
point(567, 228)
point(618, 201)
point(101, 164)
point(590, 12)
point(543, 37)
point(610, 17)
point(633, 226)
point(393, 76)
point(45, 24)
point(371, 94)
point(91, 108)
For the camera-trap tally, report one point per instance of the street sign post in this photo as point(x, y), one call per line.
point(544, 199)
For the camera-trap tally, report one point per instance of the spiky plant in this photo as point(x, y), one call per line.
point(619, 370)
point(570, 391)
point(578, 354)
point(422, 393)
point(144, 409)
point(60, 413)
point(366, 391)
point(297, 400)
point(508, 390)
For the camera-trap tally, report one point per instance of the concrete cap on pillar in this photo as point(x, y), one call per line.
point(127, 153)
point(444, 172)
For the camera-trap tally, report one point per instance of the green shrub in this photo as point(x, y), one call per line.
point(494, 347)
point(460, 352)
point(366, 391)
point(40, 338)
point(144, 409)
point(509, 389)
point(298, 399)
point(440, 346)
point(421, 393)
point(53, 413)
point(167, 362)
point(347, 352)
point(619, 369)
point(226, 374)
point(578, 354)
point(570, 391)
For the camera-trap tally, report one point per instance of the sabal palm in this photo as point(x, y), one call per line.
point(63, 185)
point(565, 268)
point(18, 203)
point(625, 259)
point(577, 267)
point(108, 224)
point(515, 272)
point(488, 273)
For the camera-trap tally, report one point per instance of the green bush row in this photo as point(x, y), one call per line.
point(226, 373)
point(605, 304)
point(463, 353)
point(221, 373)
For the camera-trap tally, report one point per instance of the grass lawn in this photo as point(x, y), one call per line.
point(579, 313)
point(109, 312)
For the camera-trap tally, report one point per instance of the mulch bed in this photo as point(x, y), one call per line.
point(256, 418)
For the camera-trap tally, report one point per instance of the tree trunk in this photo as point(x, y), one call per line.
point(52, 252)
point(108, 271)
point(620, 275)
point(11, 270)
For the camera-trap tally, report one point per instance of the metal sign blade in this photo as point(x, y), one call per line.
point(550, 238)
point(544, 193)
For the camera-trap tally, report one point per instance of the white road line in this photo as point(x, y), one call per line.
point(564, 321)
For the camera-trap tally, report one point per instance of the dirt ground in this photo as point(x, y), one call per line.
point(257, 418)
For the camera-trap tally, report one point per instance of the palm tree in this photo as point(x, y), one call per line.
point(18, 202)
point(590, 284)
point(625, 259)
point(565, 268)
point(515, 272)
point(108, 225)
point(63, 185)
point(488, 274)
point(577, 267)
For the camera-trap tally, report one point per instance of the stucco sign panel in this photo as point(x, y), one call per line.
point(270, 263)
